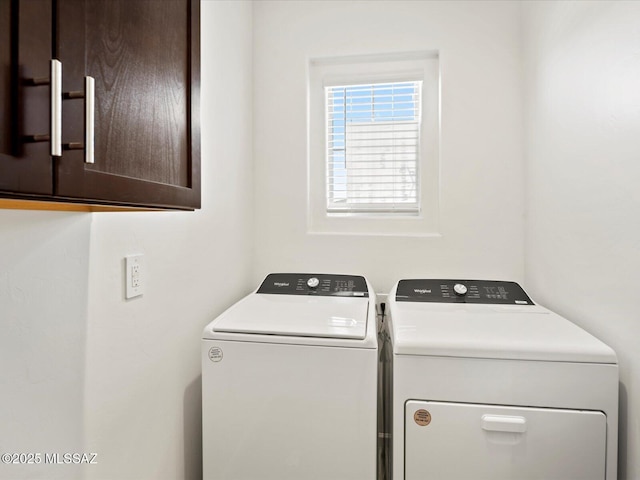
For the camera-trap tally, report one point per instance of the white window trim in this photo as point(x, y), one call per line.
point(374, 69)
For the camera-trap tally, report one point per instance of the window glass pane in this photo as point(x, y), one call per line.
point(373, 147)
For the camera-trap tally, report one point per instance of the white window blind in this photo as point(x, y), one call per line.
point(373, 143)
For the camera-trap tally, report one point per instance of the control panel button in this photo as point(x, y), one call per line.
point(313, 282)
point(460, 289)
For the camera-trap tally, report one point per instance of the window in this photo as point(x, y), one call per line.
point(373, 144)
point(373, 140)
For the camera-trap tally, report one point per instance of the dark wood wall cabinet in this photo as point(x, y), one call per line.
point(100, 103)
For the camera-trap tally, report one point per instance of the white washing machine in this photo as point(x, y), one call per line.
point(289, 378)
point(488, 385)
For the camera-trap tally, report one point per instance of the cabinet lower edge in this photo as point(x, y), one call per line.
point(69, 206)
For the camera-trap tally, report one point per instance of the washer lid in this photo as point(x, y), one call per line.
point(527, 332)
point(294, 315)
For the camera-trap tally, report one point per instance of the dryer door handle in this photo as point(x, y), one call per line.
point(504, 423)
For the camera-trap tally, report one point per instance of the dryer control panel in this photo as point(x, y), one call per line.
point(326, 285)
point(462, 291)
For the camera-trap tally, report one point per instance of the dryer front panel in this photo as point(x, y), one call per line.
point(468, 441)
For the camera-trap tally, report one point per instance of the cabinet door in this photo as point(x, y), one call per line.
point(144, 57)
point(25, 54)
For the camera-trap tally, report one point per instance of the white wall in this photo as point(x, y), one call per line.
point(583, 171)
point(83, 369)
point(44, 265)
point(481, 175)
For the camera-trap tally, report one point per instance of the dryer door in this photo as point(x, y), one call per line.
point(467, 441)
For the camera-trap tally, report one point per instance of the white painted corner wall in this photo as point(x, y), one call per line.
point(44, 265)
point(582, 94)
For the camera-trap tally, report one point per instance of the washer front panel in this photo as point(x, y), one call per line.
point(288, 412)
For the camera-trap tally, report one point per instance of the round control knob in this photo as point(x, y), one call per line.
point(460, 289)
point(313, 282)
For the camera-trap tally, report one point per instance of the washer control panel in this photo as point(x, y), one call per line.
point(326, 285)
point(462, 291)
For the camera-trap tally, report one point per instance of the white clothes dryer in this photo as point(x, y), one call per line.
point(289, 377)
point(488, 385)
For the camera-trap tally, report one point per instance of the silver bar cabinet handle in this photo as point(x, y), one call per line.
point(56, 108)
point(89, 116)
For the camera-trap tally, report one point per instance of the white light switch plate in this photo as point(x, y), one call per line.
point(134, 275)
